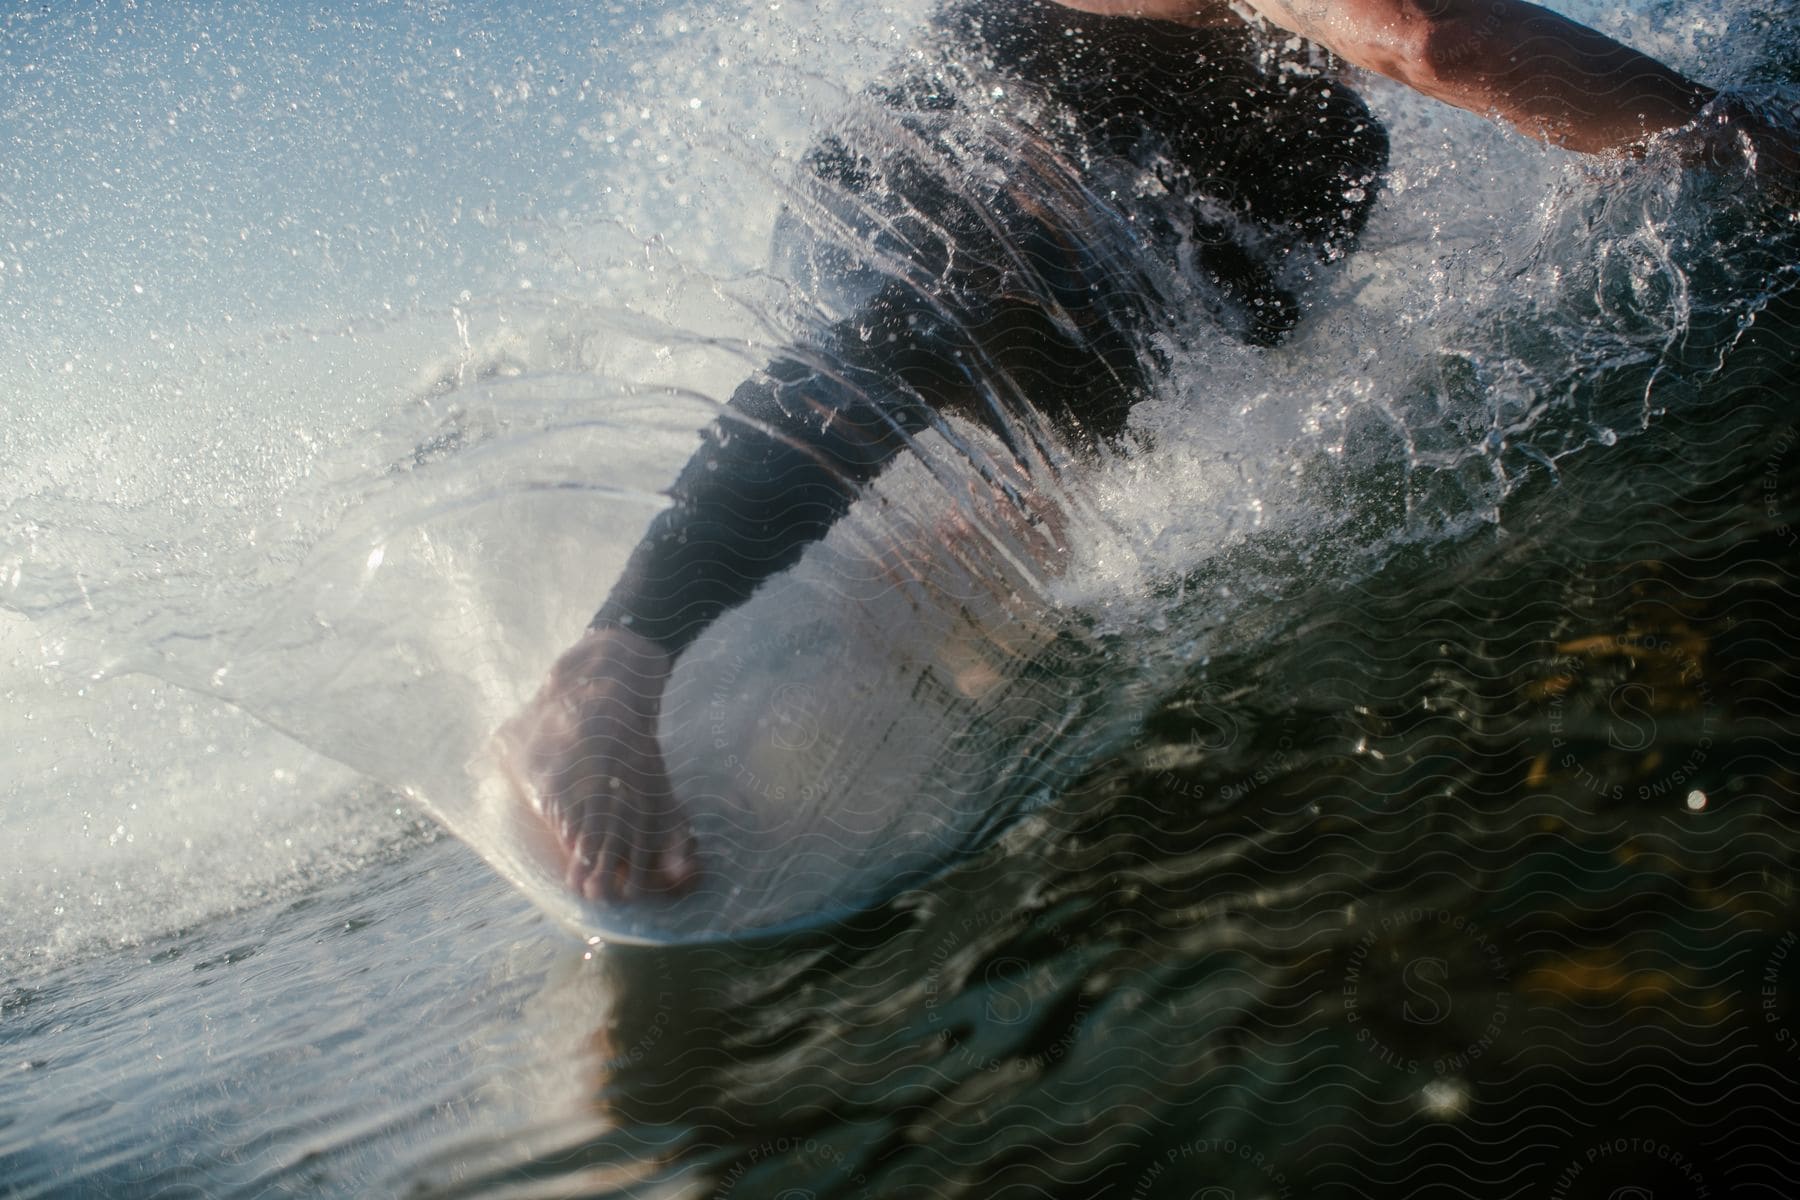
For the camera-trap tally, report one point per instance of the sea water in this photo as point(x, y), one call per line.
point(422, 306)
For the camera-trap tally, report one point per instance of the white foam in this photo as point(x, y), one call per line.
point(431, 235)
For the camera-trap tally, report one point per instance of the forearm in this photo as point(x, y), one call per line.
point(1553, 78)
point(779, 468)
point(769, 480)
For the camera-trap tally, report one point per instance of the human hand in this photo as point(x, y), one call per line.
point(1738, 132)
point(584, 753)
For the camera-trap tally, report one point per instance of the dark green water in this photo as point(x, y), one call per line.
point(1472, 874)
point(1478, 878)
point(1481, 882)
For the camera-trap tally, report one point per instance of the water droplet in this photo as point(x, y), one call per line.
point(1444, 1098)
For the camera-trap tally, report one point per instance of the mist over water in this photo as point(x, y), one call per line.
point(347, 355)
point(361, 459)
point(248, 263)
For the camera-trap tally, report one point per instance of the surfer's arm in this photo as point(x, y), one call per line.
point(779, 467)
point(1551, 77)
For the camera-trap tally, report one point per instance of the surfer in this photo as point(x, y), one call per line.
point(993, 297)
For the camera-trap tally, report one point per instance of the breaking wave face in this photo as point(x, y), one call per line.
point(386, 591)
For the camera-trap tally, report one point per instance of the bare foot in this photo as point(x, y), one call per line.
point(584, 750)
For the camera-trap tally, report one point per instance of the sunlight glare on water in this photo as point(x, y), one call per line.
point(347, 356)
point(342, 456)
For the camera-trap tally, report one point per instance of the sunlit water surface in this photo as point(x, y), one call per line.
point(1424, 815)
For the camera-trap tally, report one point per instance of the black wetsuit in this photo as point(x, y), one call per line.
point(980, 274)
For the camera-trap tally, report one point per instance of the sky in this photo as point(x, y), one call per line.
point(168, 166)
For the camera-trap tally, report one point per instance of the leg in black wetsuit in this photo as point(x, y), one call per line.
point(996, 295)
